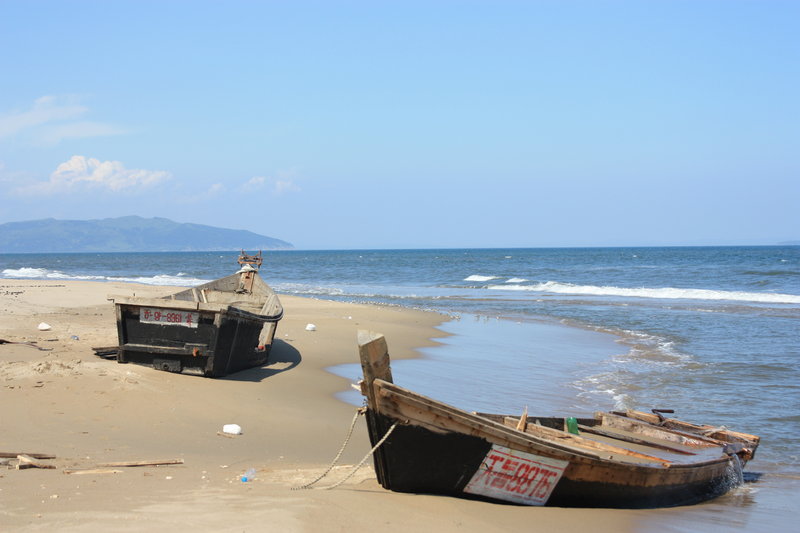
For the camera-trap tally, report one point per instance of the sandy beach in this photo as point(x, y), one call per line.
point(88, 412)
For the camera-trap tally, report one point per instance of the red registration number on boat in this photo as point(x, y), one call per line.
point(515, 476)
point(168, 317)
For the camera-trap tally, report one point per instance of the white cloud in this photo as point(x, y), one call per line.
point(80, 171)
point(52, 119)
point(253, 184)
point(215, 189)
point(282, 184)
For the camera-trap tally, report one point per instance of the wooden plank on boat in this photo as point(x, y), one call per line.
point(374, 355)
point(629, 438)
point(186, 305)
point(579, 441)
point(715, 432)
point(658, 432)
point(523, 420)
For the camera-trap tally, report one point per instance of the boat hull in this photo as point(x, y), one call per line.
point(417, 460)
point(222, 343)
point(216, 329)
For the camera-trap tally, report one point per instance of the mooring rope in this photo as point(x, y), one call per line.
point(360, 411)
point(359, 465)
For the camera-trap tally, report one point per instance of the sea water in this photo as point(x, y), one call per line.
point(712, 332)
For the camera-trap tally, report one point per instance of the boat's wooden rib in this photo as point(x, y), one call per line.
point(602, 431)
point(722, 434)
point(659, 432)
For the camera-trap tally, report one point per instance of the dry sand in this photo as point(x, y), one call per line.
point(88, 411)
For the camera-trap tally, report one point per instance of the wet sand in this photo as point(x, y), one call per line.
point(88, 411)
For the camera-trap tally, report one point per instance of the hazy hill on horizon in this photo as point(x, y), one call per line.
point(127, 234)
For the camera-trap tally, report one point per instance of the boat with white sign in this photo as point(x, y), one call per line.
point(214, 329)
point(625, 459)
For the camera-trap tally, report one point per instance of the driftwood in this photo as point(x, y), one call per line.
point(26, 461)
point(143, 463)
point(12, 455)
point(93, 471)
point(31, 344)
point(106, 352)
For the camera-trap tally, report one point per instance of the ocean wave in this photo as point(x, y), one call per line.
point(477, 277)
point(516, 280)
point(307, 290)
point(181, 280)
point(43, 273)
point(24, 272)
point(668, 293)
point(348, 294)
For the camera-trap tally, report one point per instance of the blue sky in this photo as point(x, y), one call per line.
point(404, 124)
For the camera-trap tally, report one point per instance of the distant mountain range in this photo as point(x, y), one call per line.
point(127, 234)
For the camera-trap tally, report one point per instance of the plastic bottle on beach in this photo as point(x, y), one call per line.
point(249, 475)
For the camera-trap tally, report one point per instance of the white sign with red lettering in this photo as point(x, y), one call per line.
point(168, 317)
point(515, 476)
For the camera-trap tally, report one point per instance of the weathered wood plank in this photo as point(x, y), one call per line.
point(142, 463)
point(26, 461)
point(661, 433)
point(374, 354)
point(522, 424)
point(93, 471)
point(13, 455)
point(716, 433)
point(185, 305)
point(629, 438)
point(587, 443)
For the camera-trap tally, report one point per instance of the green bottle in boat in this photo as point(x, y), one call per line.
point(572, 425)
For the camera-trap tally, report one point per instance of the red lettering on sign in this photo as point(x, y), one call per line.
point(516, 476)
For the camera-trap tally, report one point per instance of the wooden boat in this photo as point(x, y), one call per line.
point(214, 329)
point(625, 459)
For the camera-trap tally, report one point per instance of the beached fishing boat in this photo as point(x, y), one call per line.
point(625, 459)
point(214, 329)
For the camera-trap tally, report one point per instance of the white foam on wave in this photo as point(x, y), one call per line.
point(516, 280)
point(668, 293)
point(349, 293)
point(43, 273)
point(24, 272)
point(181, 280)
point(309, 290)
point(477, 277)
point(163, 279)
